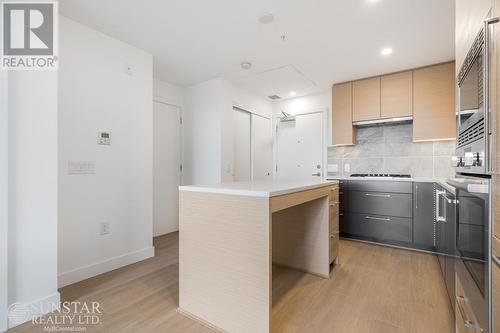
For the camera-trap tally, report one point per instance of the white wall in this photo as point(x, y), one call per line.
point(202, 130)
point(307, 103)
point(4, 203)
point(32, 187)
point(96, 94)
point(208, 135)
point(168, 93)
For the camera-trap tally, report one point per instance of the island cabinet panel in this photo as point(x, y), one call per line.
point(225, 238)
point(396, 95)
point(366, 99)
point(434, 103)
point(342, 129)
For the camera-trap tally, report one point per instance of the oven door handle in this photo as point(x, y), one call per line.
point(486, 96)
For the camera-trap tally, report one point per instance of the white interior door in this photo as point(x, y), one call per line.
point(262, 148)
point(167, 173)
point(300, 147)
point(242, 153)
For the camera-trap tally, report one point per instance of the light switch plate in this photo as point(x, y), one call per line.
point(333, 168)
point(347, 167)
point(81, 167)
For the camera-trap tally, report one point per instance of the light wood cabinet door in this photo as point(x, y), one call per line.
point(366, 99)
point(342, 129)
point(396, 95)
point(434, 103)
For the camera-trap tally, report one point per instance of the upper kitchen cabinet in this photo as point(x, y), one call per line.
point(469, 17)
point(396, 95)
point(342, 129)
point(434, 103)
point(366, 99)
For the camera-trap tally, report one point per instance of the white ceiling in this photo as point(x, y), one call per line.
point(328, 41)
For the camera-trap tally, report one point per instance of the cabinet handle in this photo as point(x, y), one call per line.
point(334, 204)
point(332, 236)
point(416, 196)
point(377, 218)
point(378, 195)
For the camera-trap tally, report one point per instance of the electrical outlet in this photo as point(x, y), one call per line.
point(105, 228)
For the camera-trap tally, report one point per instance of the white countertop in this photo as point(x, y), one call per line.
point(266, 188)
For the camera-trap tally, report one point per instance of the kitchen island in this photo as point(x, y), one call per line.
point(230, 235)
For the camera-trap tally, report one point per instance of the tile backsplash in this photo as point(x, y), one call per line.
point(390, 149)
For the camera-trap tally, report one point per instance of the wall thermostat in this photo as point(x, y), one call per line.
point(104, 138)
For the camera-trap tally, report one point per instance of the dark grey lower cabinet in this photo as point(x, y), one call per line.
point(423, 215)
point(379, 228)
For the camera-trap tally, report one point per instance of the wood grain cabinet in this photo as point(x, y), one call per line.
point(334, 223)
point(434, 103)
point(396, 95)
point(366, 99)
point(342, 129)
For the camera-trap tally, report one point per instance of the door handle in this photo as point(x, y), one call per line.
point(318, 174)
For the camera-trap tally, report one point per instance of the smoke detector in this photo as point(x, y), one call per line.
point(246, 65)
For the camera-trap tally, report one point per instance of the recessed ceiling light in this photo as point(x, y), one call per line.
point(246, 65)
point(293, 93)
point(372, 1)
point(266, 18)
point(386, 51)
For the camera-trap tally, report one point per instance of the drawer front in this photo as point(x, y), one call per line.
point(378, 227)
point(334, 218)
point(387, 204)
point(381, 186)
point(334, 246)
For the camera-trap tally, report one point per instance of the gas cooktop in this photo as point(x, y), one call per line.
point(380, 175)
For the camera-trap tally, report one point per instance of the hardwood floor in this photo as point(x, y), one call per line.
point(374, 289)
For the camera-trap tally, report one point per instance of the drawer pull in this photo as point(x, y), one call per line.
point(378, 195)
point(341, 214)
point(333, 204)
point(377, 218)
point(341, 192)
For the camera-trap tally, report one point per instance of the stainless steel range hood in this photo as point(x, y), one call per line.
point(396, 120)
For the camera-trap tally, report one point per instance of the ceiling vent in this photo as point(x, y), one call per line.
point(274, 97)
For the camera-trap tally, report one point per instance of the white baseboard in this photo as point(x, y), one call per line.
point(85, 272)
point(24, 312)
